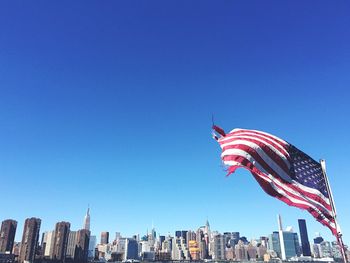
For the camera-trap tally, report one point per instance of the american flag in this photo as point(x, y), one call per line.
point(282, 170)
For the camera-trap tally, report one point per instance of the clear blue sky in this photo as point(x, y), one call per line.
point(110, 103)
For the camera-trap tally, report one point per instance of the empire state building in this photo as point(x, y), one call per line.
point(86, 225)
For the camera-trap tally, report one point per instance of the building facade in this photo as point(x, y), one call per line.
point(104, 238)
point(60, 241)
point(29, 240)
point(71, 243)
point(82, 246)
point(47, 244)
point(305, 244)
point(7, 235)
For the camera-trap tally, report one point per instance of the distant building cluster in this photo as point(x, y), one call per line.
point(59, 245)
point(64, 245)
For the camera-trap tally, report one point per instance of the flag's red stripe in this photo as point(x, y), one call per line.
point(267, 150)
point(278, 146)
point(279, 142)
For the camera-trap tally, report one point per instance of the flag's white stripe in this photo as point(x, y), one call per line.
point(262, 133)
point(241, 138)
point(281, 145)
point(295, 183)
point(246, 155)
point(270, 162)
point(256, 137)
point(294, 200)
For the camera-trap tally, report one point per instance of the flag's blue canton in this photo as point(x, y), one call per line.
point(307, 171)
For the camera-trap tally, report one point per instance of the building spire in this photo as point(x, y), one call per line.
point(281, 237)
point(87, 219)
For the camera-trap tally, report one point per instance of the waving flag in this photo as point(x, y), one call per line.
point(280, 168)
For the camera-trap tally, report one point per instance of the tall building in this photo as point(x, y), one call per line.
point(104, 238)
point(86, 224)
point(218, 246)
point(161, 240)
point(305, 244)
point(179, 249)
point(318, 240)
point(29, 240)
point(92, 246)
point(178, 233)
point(235, 236)
point(207, 233)
point(72, 242)
point(60, 241)
point(82, 246)
point(7, 235)
point(184, 235)
point(252, 252)
point(274, 243)
point(131, 249)
point(47, 244)
point(284, 243)
point(241, 252)
point(290, 240)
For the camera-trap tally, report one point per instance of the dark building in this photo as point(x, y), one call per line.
point(7, 258)
point(177, 233)
point(244, 240)
point(235, 237)
point(131, 249)
point(184, 235)
point(60, 241)
point(104, 238)
point(305, 244)
point(161, 240)
point(29, 240)
point(7, 235)
point(318, 240)
point(82, 246)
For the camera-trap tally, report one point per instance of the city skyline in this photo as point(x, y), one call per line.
point(109, 234)
point(110, 105)
point(66, 245)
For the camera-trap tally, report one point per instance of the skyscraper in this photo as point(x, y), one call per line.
point(218, 247)
point(290, 240)
point(60, 241)
point(178, 233)
point(7, 235)
point(274, 243)
point(305, 244)
point(29, 239)
point(86, 224)
point(47, 244)
point(131, 249)
point(104, 238)
point(82, 246)
point(92, 246)
point(72, 242)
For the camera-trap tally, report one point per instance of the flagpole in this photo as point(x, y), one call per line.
point(329, 190)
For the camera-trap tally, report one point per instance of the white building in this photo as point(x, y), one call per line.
point(72, 241)
point(47, 243)
point(179, 249)
point(217, 247)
